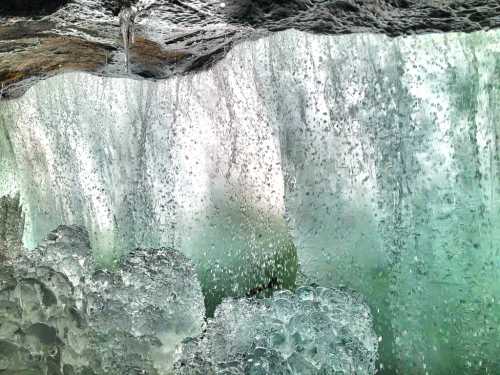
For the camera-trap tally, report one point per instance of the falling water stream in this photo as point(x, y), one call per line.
point(357, 162)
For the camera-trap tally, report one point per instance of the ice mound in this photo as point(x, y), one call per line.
point(154, 300)
point(41, 329)
point(60, 316)
point(67, 250)
point(312, 331)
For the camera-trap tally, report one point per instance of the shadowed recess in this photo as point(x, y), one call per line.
point(30, 8)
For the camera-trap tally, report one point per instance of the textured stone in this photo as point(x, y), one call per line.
point(41, 38)
point(11, 226)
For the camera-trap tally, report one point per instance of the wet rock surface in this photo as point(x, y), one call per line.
point(310, 332)
point(58, 316)
point(11, 227)
point(39, 39)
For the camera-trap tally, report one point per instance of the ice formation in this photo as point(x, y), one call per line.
point(60, 315)
point(41, 328)
point(67, 250)
point(310, 332)
point(153, 300)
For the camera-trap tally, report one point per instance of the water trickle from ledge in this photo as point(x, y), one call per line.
point(127, 27)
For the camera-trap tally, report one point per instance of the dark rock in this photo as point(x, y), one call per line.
point(27, 8)
point(11, 226)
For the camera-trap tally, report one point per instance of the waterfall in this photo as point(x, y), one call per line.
point(375, 158)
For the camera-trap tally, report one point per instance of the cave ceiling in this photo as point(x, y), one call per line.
point(41, 38)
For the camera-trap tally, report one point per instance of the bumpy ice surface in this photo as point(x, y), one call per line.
point(154, 300)
point(58, 316)
point(312, 331)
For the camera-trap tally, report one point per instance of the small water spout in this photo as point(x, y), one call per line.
point(127, 26)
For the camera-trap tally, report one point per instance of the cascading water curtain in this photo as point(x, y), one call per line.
point(372, 161)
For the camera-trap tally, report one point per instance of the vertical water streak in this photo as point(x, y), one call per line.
point(127, 27)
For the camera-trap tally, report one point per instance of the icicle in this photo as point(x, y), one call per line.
point(127, 27)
